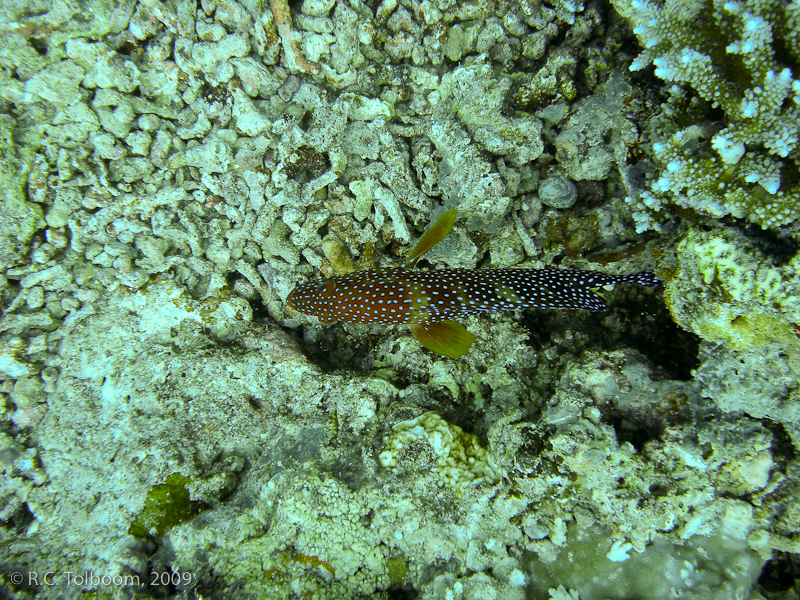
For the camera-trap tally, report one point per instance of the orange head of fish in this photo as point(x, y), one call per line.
point(309, 298)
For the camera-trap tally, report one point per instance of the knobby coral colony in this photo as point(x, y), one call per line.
point(427, 300)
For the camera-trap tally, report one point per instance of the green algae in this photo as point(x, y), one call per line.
point(168, 504)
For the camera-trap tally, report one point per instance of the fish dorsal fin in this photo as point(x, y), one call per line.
point(437, 232)
point(447, 338)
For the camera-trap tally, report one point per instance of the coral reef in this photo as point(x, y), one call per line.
point(459, 458)
point(170, 171)
point(726, 291)
point(746, 310)
point(745, 164)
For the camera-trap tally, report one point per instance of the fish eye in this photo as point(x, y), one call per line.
point(320, 286)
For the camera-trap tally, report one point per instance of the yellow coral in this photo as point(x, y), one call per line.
point(725, 291)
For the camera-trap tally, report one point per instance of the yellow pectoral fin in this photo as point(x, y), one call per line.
point(433, 236)
point(447, 338)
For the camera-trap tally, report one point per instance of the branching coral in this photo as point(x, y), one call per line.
point(743, 58)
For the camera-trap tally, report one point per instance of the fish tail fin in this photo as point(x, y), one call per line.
point(608, 282)
point(437, 232)
point(585, 289)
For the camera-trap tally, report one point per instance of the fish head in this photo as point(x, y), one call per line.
point(310, 298)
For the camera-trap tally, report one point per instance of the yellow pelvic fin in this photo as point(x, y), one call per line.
point(437, 232)
point(447, 338)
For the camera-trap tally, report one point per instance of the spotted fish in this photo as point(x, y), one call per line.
point(427, 301)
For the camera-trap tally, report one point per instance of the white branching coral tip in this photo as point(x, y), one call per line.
point(729, 151)
point(619, 551)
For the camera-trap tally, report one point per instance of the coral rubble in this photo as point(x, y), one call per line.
point(170, 171)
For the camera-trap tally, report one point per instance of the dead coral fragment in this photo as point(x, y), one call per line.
point(290, 39)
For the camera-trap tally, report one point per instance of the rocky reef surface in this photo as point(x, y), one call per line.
point(170, 171)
